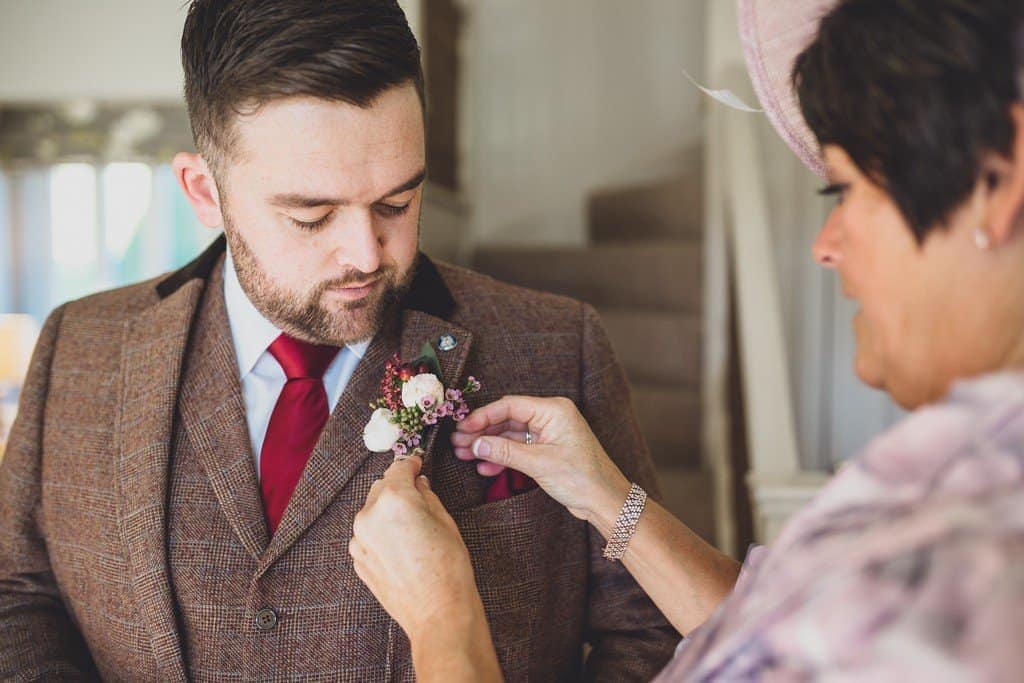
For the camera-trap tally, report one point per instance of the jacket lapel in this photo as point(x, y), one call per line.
point(419, 328)
point(213, 416)
point(152, 354)
point(151, 359)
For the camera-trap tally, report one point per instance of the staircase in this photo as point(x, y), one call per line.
point(642, 272)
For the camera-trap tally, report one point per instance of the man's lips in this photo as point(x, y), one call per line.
point(355, 291)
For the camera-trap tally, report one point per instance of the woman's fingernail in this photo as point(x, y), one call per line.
point(481, 448)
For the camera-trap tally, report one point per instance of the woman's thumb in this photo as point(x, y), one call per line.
point(502, 451)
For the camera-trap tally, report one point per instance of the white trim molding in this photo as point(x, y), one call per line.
point(776, 499)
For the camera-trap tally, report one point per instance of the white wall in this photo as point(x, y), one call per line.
point(414, 13)
point(569, 96)
point(109, 49)
point(55, 50)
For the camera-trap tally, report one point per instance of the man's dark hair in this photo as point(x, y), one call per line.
point(241, 54)
point(917, 93)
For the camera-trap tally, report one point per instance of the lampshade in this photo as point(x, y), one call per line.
point(18, 334)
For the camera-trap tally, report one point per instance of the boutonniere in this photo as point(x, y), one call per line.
point(412, 399)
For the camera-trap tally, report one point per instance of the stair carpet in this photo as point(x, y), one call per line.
point(643, 274)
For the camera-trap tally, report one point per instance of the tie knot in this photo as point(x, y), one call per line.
point(302, 360)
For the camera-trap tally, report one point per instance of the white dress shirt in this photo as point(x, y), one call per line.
point(261, 374)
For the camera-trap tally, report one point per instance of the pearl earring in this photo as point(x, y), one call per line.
point(981, 239)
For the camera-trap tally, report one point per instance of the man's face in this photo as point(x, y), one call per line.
point(321, 205)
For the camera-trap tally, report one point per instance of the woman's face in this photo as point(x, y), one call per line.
point(929, 313)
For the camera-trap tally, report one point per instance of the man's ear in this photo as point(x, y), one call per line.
point(1004, 178)
point(200, 188)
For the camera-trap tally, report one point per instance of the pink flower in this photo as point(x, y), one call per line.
point(426, 402)
point(430, 418)
point(400, 449)
point(453, 394)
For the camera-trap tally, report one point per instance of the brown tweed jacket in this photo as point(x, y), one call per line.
point(132, 540)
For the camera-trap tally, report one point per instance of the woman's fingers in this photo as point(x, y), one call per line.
point(489, 469)
point(466, 439)
point(510, 453)
point(404, 470)
point(521, 409)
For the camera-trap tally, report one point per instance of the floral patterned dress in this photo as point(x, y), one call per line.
point(908, 566)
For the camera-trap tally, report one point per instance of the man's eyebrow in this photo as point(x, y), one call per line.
point(410, 184)
point(292, 200)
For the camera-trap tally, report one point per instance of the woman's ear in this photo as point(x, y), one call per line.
point(200, 188)
point(1004, 184)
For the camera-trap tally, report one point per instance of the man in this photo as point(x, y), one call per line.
point(179, 489)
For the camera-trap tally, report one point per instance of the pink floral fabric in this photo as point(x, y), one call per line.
point(908, 566)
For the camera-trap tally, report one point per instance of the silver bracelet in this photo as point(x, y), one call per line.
point(625, 525)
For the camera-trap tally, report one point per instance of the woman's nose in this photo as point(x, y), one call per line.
point(826, 249)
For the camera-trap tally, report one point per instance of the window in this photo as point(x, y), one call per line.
point(78, 228)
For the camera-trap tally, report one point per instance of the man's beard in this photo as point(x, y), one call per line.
point(304, 316)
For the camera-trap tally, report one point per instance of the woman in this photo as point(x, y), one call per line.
point(910, 563)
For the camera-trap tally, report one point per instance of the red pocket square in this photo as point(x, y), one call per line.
point(507, 484)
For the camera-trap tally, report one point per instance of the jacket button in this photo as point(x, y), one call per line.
point(266, 619)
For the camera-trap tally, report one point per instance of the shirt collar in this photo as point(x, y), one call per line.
point(253, 333)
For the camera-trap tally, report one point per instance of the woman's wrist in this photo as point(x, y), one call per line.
point(607, 503)
point(455, 648)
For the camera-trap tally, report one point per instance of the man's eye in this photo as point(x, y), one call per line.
point(315, 225)
point(391, 211)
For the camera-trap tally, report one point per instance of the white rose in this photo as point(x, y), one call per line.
point(422, 385)
point(381, 434)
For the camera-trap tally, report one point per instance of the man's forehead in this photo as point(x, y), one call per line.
point(315, 147)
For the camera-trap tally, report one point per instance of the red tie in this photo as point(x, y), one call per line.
point(295, 425)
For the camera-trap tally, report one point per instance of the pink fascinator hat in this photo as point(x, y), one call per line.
point(774, 33)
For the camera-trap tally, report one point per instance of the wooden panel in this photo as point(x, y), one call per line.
point(443, 24)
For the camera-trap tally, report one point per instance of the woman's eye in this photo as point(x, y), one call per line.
point(391, 211)
point(837, 190)
point(315, 225)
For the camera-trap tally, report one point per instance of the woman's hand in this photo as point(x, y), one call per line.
point(407, 549)
point(565, 458)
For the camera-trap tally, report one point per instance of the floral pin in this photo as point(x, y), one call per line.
point(412, 399)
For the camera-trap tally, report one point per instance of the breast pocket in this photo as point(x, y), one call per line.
point(530, 559)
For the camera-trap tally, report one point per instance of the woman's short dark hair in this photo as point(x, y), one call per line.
point(241, 54)
point(917, 93)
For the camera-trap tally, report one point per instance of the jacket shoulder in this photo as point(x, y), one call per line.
point(478, 295)
point(115, 305)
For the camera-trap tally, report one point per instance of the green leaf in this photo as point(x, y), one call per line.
point(428, 357)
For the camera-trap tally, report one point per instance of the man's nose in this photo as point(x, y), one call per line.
point(360, 246)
